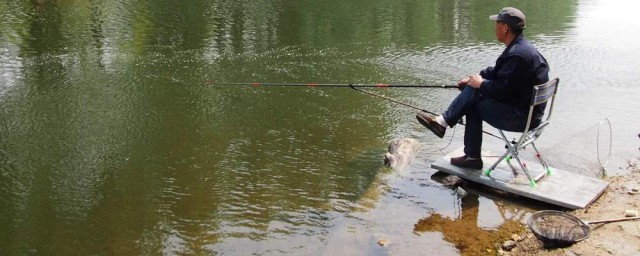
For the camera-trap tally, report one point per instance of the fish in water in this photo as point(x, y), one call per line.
point(401, 152)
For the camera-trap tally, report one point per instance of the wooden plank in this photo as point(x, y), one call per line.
point(563, 188)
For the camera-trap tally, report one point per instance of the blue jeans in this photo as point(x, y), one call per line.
point(476, 108)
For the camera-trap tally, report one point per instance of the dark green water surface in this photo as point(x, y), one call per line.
point(116, 140)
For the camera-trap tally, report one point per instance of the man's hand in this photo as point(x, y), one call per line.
point(474, 81)
point(462, 83)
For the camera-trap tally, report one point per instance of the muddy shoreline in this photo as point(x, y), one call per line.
point(620, 238)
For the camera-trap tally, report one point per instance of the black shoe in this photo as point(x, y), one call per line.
point(431, 124)
point(467, 162)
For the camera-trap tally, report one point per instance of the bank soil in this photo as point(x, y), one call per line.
point(619, 238)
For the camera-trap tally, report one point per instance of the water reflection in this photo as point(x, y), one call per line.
point(475, 226)
point(109, 127)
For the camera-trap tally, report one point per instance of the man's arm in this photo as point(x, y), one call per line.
point(499, 87)
point(487, 73)
point(476, 80)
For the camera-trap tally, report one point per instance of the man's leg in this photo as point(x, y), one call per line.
point(476, 108)
point(458, 108)
point(461, 105)
point(465, 104)
point(473, 134)
point(501, 115)
point(472, 143)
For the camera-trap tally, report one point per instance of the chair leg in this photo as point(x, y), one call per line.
point(532, 182)
point(487, 172)
point(507, 154)
point(542, 161)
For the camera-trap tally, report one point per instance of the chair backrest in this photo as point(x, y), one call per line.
point(543, 93)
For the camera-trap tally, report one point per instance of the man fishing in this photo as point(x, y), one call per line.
point(499, 95)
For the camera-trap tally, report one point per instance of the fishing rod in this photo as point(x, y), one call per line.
point(411, 106)
point(212, 83)
point(392, 100)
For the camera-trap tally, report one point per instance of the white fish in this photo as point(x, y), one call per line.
point(401, 152)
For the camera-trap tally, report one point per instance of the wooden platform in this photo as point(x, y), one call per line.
point(566, 189)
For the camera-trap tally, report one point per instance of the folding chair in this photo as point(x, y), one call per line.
point(541, 94)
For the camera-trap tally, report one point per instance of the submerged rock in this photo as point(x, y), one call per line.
point(461, 192)
point(383, 242)
point(452, 181)
point(509, 245)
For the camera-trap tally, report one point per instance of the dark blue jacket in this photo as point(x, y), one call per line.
point(517, 70)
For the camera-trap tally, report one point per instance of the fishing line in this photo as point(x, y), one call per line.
point(414, 107)
point(453, 134)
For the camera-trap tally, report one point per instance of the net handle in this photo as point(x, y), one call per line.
point(611, 220)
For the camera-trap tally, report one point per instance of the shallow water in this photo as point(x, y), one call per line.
point(116, 137)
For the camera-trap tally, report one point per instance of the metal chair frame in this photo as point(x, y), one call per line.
point(541, 94)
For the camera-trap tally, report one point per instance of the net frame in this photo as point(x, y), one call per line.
point(557, 229)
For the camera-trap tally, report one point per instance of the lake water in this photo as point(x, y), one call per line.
point(117, 139)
